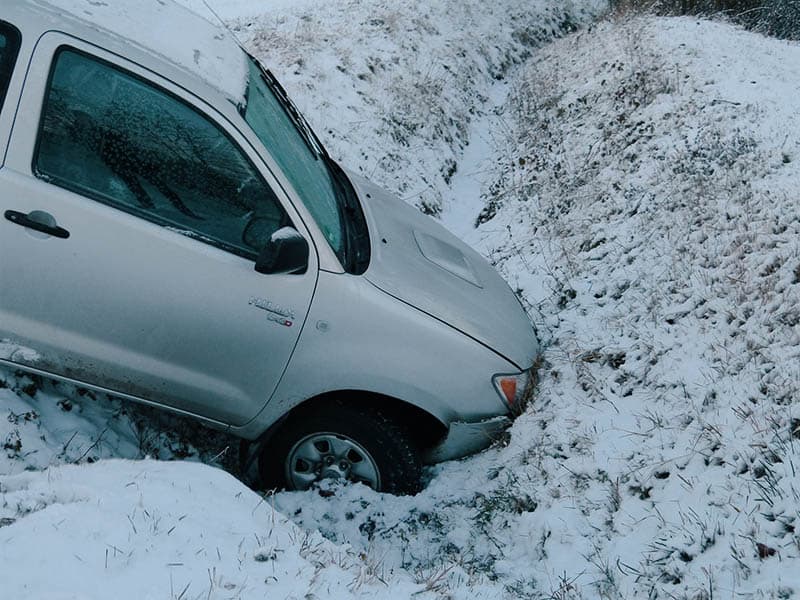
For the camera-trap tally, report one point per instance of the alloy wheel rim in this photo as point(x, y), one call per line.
point(330, 456)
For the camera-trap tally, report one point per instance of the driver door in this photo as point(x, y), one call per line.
point(127, 249)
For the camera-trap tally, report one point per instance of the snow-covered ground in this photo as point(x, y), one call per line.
point(642, 184)
point(649, 211)
point(637, 183)
point(145, 530)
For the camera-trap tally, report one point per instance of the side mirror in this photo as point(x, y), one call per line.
point(286, 253)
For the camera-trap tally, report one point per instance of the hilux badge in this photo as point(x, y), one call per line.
point(277, 314)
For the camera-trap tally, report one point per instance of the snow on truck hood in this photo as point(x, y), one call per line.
point(170, 31)
point(424, 265)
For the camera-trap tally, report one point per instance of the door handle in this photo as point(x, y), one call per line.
point(38, 220)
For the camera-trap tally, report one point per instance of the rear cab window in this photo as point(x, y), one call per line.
point(9, 47)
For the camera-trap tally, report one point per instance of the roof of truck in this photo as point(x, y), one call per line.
point(162, 28)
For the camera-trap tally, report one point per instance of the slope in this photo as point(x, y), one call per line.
point(642, 199)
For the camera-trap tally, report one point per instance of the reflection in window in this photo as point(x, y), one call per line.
point(113, 137)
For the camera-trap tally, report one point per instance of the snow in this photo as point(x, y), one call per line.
point(639, 190)
point(9, 350)
point(238, 9)
point(201, 46)
point(284, 233)
point(645, 209)
point(148, 529)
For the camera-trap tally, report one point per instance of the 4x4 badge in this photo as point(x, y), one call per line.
point(277, 314)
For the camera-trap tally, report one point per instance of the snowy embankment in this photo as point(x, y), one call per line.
point(148, 529)
point(393, 87)
point(650, 209)
point(643, 199)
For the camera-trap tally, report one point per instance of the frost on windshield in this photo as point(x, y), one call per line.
point(171, 31)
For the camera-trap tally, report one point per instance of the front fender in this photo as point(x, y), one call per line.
point(360, 338)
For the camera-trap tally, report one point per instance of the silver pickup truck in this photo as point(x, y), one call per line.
point(174, 233)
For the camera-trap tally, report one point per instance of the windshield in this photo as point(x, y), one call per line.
point(315, 177)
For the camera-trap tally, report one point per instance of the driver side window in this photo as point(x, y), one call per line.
point(113, 137)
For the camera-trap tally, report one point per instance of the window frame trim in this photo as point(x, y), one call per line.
point(125, 208)
point(16, 44)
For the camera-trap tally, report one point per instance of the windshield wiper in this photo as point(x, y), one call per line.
point(295, 116)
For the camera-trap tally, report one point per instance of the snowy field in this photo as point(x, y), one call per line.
point(637, 183)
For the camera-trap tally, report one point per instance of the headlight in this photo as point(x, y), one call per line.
point(515, 389)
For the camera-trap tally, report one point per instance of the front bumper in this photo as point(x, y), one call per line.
point(464, 439)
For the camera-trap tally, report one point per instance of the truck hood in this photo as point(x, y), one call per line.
point(419, 262)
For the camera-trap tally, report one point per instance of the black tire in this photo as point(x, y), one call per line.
point(383, 442)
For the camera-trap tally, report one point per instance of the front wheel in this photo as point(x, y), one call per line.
point(341, 442)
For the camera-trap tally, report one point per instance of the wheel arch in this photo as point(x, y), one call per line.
point(395, 434)
point(423, 427)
